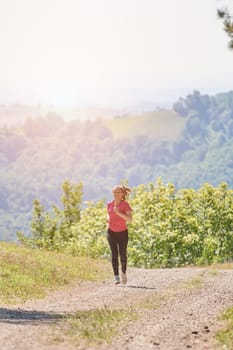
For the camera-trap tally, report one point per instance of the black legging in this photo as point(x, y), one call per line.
point(118, 242)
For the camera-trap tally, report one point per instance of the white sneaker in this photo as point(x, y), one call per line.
point(124, 278)
point(117, 279)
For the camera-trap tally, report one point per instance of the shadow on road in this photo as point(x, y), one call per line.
point(27, 316)
point(141, 287)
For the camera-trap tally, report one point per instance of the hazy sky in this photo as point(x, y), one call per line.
point(110, 51)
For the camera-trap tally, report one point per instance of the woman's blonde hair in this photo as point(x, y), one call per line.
point(126, 190)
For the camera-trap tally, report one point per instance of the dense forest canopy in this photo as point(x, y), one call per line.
point(38, 157)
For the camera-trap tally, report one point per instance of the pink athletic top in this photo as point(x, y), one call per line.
point(116, 223)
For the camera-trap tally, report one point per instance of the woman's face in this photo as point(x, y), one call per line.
point(117, 194)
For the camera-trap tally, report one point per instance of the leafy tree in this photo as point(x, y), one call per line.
point(227, 18)
point(194, 103)
point(37, 227)
point(51, 229)
point(180, 107)
point(72, 201)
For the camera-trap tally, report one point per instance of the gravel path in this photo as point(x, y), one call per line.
point(183, 314)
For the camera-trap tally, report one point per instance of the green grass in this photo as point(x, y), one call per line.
point(26, 273)
point(225, 336)
point(192, 283)
point(163, 124)
point(95, 326)
point(213, 273)
point(196, 282)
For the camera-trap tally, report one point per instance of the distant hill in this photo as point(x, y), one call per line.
point(16, 114)
point(163, 124)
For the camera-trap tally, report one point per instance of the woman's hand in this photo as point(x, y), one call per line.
point(127, 216)
point(116, 210)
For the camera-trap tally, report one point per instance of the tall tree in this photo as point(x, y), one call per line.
point(72, 201)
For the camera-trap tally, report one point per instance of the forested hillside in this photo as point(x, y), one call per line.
point(36, 158)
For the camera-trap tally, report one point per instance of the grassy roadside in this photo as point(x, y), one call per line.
point(225, 335)
point(27, 274)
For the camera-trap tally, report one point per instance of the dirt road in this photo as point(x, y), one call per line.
point(183, 312)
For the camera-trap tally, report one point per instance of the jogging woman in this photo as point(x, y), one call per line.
point(119, 214)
